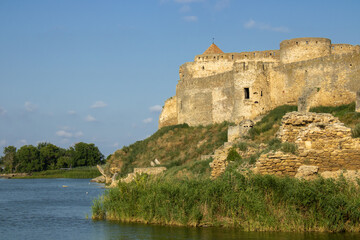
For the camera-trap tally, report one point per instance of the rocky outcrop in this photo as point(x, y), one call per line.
point(168, 115)
point(138, 171)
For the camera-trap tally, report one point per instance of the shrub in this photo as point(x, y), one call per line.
point(356, 131)
point(288, 147)
point(242, 146)
point(233, 155)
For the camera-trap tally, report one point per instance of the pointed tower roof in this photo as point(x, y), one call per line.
point(213, 49)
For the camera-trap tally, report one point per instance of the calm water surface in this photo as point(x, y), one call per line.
point(44, 209)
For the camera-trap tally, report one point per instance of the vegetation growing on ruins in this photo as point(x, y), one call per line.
point(185, 195)
point(172, 145)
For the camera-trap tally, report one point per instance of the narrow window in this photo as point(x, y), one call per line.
point(232, 56)
point(297, 43)
point(244, 65)
point(203, 68)
point(254, 54)
point(199, 58)
point(247, 93)
point(261, 93)
point(307, 42)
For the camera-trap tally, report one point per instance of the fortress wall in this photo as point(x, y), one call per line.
point(254, 77)
point(212, 64)
point(207, 100)
point(344, 48)
point(335, 78)
point(300, 49)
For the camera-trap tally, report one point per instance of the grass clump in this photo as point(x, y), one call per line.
point(172, 146)
point(233, 156)
point(356, 131)
point(249, 202)
point(268, 126)
point(346, 113)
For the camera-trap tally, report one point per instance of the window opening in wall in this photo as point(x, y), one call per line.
point(256, 102)
point(244, 66)
point(203, 67)
point(270, 54)
point(214, 57)
point(350, 65)
point(247, 93)
point(218, 58)
point(316, 42)
point(232, 56)
point(261, 93)
point(254, 54)
point(297, 43)
point(307, 42)
point(245, 55)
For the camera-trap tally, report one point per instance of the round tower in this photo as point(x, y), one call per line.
point(302, 49)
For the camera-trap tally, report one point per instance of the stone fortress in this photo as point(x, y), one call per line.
point(219, 86)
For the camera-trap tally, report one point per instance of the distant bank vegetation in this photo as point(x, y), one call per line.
point(46, 156)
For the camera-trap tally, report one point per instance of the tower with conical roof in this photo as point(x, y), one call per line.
point(213, 49)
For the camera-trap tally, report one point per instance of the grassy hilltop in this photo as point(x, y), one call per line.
point(184, 194)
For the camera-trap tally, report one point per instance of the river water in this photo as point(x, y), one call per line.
point(45, 209)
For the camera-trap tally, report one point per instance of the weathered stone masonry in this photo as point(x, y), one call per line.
point(322, 141)
point(219, 86)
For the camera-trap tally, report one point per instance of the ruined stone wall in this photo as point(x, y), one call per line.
point(169, 114)
point(322, 141)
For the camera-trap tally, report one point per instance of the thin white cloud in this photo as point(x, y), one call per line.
point(69, 134)
point(63, 133)
point(251, 24)
point(185, 8)
point(99, 104)
point(78, 134)
point(30, 107)
point(221, 4)
point(22, 142)
point(71, 112)
point(2, 142)
point(116, 144)
point(155, 108)
point(147, 120)
point(2, 111)
point(90, 118)
point(190, 18)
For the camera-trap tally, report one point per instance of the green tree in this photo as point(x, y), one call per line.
point(49, 155)
point(28, 159)
point(85, 154)
point(9, 158)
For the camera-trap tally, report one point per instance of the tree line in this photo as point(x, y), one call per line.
point(47, 156)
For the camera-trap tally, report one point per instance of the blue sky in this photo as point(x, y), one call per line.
point(99, 71)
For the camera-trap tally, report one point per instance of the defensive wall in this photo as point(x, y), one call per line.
point(219, 86)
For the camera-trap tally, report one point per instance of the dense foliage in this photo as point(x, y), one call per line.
point(250, 202)
point(47, 156)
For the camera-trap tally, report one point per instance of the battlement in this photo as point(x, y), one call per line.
point(300, 49)
point(344, 48)
point(269, 55)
